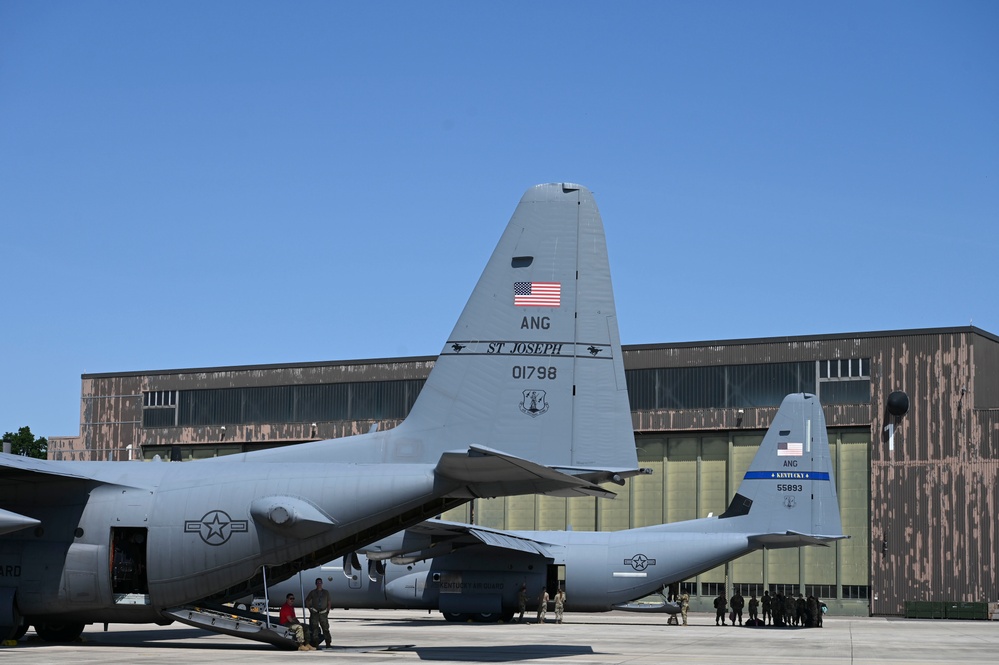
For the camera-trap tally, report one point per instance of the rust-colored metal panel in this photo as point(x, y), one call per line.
point(934, 534)
point(986, 431)
point(933, 484)
point(985, 360)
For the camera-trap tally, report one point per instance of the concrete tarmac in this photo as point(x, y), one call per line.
point(403, 637)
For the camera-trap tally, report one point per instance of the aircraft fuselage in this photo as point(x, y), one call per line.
point(598, 570)
point(157, 537)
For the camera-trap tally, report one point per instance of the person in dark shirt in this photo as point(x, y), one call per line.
point(738, 602)
point(720, 607)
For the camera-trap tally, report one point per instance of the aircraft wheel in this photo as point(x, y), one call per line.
point(486, 617)
point(59, 632)
point(20, 630)
point(456, 617)
point(13, 631)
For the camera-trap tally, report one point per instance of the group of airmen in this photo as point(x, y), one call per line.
point(778, 610)
point(791, 611)
point(543, 600)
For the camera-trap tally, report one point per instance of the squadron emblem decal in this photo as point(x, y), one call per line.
point(216, 527)
point(534, 403)
point(639, 562)
point(789, 501)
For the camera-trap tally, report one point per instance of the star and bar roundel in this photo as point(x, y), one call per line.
point(216, 527)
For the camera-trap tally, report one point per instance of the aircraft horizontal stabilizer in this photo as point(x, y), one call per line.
point(486, 473)
point(600, 476)
point(792, 539)
point(14, 522)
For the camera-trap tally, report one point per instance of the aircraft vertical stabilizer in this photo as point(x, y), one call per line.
point(533, 367)
point(528, 394)
point(789, 488)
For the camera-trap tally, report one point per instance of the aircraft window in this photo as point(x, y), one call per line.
point(521, 261)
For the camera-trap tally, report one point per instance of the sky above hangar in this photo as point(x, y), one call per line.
point(230, 183)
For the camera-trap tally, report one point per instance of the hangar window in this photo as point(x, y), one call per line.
point(855, 591)
point(839, 381)
point(784, 589)
point(845, 368)
point(370, 400)
point(821, 590)
point(712, 588)
point(159, 408)
point(719, 386)
point(844, 381)
point(159, 399)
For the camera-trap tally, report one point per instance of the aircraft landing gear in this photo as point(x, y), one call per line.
point(477, 617)
point(486, 617)
point(10, 618)
point(59, 632)
point(20, 630)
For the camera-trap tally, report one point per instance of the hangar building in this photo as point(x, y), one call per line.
point(918, 493)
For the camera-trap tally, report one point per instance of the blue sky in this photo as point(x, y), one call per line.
point(202, 184)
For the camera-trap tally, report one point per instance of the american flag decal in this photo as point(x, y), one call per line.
point(537, 294)
point(785, 449)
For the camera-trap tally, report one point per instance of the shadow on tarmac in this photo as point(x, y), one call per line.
point(494, 654)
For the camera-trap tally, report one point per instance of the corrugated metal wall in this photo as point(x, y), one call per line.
point(933, 497)
point(934, 491)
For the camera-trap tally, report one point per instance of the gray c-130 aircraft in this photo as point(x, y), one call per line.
point(787, 498)
point(527, 396)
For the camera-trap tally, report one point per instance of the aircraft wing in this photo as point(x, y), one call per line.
point(18, 468)
point(489, 473)
point(437, 537)
point(470, 534)
point(506, 541)
point(29, 469)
